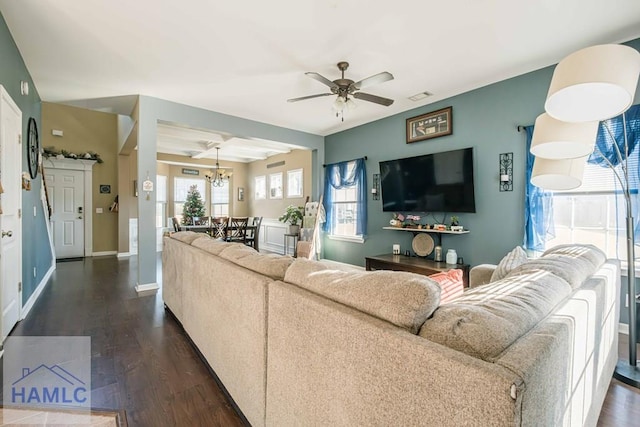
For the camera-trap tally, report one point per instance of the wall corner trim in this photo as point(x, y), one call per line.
point(147, 287)
point(26, 308)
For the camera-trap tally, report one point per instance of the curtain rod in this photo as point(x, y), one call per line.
point(365, 157)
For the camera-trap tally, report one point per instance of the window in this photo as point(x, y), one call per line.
point(294, 183)
point(592, 213)
point(261, 187)
point(275, 185)
point(345, 197)
point(180, 189)
point(344, 211)
point(161, 201)
point(220, 200)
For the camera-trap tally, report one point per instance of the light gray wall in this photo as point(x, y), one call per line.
point(35, 246)
point(485, 119)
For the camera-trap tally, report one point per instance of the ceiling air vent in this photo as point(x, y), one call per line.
point(420, 96)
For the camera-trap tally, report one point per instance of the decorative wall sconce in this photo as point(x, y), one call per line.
point(506, 172)
point(375, 190)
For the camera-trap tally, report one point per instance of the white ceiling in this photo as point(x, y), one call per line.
point(203, 144)
point(246, 58)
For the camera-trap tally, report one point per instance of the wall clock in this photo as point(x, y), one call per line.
point(33, 147)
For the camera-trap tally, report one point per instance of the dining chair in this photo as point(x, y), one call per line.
point(200, 220)
point(253, 232)
point(219, 227)
point(237, 229)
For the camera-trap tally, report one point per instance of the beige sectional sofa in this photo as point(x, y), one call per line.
point(298, 342)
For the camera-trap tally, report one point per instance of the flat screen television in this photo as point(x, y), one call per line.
point(439, 182)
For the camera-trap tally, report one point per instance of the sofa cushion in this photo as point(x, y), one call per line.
point(510, 261)
point(213, 246)
point(586, 252)
point(403, 299)
point(485, 321)
point(573, 263)
point(187, 236)
point(271, 265)
point(451, 284)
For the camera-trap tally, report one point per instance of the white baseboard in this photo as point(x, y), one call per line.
point(34, 296)
point(147, 287)
point(123, 254)
point(105, 253)
point(623, 328)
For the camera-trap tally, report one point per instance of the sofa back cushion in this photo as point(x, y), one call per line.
point(270, 265)
point(403, 299)
point(573, 263)
point(213, 246)
point(187, 236)
point(485, 321)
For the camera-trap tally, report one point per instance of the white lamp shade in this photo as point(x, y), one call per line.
point(554, 139)
point(552, 174)
point(594, 84)
point(339, 103)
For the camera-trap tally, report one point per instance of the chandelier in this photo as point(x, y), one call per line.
point(217, 177)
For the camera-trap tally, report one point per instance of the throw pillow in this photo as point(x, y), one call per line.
point(513, 259)
point(451, 285)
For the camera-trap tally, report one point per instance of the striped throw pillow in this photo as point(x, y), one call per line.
point(513, 259)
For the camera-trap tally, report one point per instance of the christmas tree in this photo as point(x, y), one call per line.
point(193, 206)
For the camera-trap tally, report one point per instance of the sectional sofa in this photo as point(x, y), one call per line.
point(299, 342)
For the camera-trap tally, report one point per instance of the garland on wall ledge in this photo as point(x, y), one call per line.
point(64, 154)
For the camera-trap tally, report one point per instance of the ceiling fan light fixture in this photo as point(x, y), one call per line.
point(347, 89)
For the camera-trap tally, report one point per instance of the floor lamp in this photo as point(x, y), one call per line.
point(589, 86)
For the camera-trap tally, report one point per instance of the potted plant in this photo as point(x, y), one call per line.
point(292, 215)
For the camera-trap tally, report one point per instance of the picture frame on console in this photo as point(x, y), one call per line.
point(430, 125)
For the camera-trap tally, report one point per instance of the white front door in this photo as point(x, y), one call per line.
point(10, 220)
point(66, 189)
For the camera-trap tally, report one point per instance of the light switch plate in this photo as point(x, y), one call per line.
point(98, 210)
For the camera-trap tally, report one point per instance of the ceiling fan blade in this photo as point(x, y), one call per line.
point(302, 98)
point(322, 79)
point(373, 80)
point(373, 98)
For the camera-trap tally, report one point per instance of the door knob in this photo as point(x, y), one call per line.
point(7, 233)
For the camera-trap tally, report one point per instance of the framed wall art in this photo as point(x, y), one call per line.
point(430, 125)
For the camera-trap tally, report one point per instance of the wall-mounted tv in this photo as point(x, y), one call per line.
point(439, 182)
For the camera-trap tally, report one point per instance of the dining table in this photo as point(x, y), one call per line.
point(208, 229)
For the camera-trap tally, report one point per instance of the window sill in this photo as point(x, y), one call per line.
point(351, 239)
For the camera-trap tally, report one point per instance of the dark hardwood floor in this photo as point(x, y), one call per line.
point(143, 363)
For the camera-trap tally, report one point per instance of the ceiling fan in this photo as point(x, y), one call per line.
point(345, 87)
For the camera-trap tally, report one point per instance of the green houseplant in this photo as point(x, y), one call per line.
point(292, 215)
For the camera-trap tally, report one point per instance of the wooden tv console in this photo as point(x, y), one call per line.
point(414, 265)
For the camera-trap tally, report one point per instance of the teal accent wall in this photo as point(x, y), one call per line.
point(36, 251)
point(484, 119)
